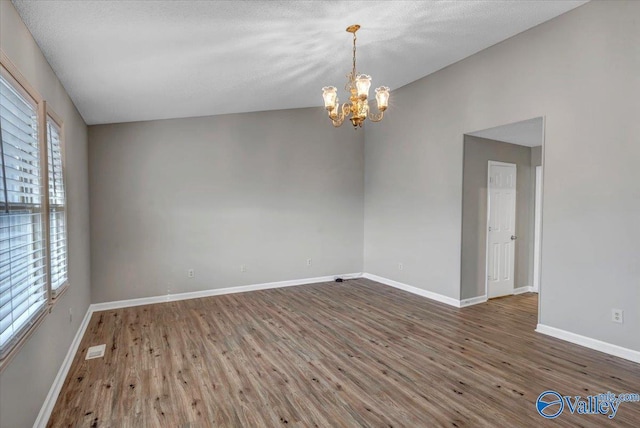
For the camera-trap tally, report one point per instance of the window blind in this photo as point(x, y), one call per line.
point(57, 209)
point(23, 264)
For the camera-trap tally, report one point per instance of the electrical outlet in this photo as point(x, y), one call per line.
point(400, 266)
point(309, 262)
point(70, 315)
point(191, 273)
point(617, 315)
point(243, 268)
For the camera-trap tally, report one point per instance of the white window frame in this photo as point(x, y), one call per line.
point(44, 112)
point(49, 114)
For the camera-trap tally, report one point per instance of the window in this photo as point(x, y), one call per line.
point(57, 207)
point(33, 239)
point(23, 267)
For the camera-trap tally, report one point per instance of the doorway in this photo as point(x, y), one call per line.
point(501, 214)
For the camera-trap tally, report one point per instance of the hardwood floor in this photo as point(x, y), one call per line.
point(356, 353)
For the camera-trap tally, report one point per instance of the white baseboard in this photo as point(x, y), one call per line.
point(472, 301)
point(215, 292)
point(588, 342)
point(415, 290)
point(525, 289)
point(54, 391)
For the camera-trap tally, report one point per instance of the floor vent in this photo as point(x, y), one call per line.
point(95, 352)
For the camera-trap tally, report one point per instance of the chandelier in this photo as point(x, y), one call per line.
point(358, 88)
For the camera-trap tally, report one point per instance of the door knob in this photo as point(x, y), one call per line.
point(514, 237)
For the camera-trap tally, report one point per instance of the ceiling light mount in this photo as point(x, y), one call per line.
point(353, 28)
point(358, 88)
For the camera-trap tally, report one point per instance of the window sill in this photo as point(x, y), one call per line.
point(4, 362)
point(57, 293)
point(23, 339)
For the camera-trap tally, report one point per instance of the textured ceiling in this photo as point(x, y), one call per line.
point(525, 133)
point(124, 61)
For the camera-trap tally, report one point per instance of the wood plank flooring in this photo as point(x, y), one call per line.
point(348, 354)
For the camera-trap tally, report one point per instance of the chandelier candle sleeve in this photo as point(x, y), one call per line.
point(357, 109)
point(363, 83)
point(330, 95)
point(382, 97)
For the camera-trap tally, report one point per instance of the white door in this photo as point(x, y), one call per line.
point(537, 230)
point(501, 228)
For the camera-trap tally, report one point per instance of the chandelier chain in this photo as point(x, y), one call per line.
point(353, 73)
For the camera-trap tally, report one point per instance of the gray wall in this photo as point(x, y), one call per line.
point(579, 70)
point(267, 190)
point(25, 382)
point(477, 154)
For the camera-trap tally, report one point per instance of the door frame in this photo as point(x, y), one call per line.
point(537, 228)
point(486, 244)
point(542, 171)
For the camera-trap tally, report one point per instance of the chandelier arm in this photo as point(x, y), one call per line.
point(346, 109)
point(376, 117)
point(337, 121)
